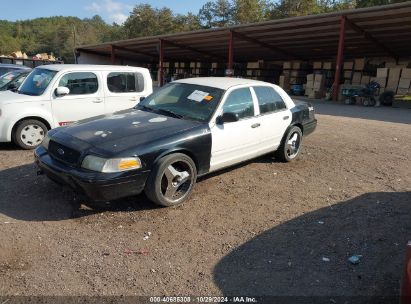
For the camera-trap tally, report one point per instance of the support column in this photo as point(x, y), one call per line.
point(340, 56)
point(113, 55)
point(230, 64)
point(161, 64)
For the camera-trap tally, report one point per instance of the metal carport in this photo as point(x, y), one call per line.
point(371, 32)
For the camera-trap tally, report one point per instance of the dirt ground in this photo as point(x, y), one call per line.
point(261, 228)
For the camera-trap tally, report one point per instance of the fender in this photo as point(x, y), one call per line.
point(40, 113)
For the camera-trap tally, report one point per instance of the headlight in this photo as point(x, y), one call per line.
point(45, 142)
point(99, 164)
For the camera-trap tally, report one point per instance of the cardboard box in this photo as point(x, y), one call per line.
point(317, 65)
point(404, 83)
point(308, 91)
point(359, 64)
point(347, 74)
point(285, 82)
point(310, 77)
point(287, 65)
point(309, 84)
point(406, 73)
point(348, 65)
point(356, 78)
point(381, 80)
point(403, 91)
point(328, 65)
point(382, 73)
point(365, 80)
point(296, 65)
point(394, 74)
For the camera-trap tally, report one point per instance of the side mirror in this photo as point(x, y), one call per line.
point(227, 117)
point(142, 98)
point(62, 91)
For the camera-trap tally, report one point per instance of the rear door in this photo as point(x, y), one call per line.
point(236, 141)
point(85, 99)
point(274, 117)
point(123, 90)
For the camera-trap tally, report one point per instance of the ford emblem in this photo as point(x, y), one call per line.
point(60, 151)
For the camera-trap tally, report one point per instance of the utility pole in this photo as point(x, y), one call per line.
point(74, 43)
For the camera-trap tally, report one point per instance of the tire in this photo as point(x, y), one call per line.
point(387, 98)
point(28, 134)
point(290, 147)
point(172, 180)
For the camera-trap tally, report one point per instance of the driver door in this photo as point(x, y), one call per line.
point(237, 141)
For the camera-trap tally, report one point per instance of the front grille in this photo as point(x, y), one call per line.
point(63, 153)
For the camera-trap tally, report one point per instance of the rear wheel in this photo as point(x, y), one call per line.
point(28, 134)
point(172, 180)
point(290, 147)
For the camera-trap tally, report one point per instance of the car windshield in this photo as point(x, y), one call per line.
point(183, 100)
point(37, 82)
point(8, 77)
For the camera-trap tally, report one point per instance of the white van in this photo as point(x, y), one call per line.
point(59, 94)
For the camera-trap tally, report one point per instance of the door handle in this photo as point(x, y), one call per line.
point(286, 117)
point(98, 100)
point(133, 99)
point(256, 125)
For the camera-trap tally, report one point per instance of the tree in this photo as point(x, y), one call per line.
point(216, 14)
point(247, 11)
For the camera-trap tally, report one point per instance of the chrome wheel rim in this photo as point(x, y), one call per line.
point(32, 135)
point(293, 145)
point(177, 181)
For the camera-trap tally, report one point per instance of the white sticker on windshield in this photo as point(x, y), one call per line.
point(197, 95)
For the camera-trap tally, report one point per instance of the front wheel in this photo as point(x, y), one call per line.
point(28, 134)
point(172, 180)
point(290, 147)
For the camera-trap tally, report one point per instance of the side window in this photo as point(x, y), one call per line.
point(269, 100)
point(80, 83)
point(125, 82)
point(240, 101)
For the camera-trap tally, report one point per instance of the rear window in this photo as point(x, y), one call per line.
point(125, 82)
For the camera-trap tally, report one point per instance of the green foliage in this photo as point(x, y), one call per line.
point(54, 35)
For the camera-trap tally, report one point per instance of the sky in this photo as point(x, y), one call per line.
point(110, 10)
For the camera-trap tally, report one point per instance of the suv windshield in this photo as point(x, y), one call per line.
point(37, 82)
point(184, 100)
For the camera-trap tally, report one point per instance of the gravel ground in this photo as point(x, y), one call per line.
point(261, 228)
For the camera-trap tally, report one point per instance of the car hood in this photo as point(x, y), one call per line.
point(9, 96)
point(125, 129)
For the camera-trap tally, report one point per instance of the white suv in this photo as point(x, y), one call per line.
point(57, 95)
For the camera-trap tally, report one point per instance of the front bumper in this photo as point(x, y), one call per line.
point(99, 187)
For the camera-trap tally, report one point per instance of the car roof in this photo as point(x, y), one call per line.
point(14, 66)
point(91, 67)
point(223, 83)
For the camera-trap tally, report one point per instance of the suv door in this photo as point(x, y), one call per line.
point(274, 117)
point(123, 90)
point(84, 100)
point(236, 141)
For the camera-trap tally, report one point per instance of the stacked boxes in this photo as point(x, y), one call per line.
point(393, 79)
point(315, 87)
point(296, 71)
point(404, 82)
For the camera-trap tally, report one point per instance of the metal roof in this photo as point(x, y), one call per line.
point(371, 32)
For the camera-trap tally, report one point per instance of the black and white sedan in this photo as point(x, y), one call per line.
point(186, 129)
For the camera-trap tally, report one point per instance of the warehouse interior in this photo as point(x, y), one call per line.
point(321, 54)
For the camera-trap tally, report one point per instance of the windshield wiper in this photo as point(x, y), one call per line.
point(168, 112)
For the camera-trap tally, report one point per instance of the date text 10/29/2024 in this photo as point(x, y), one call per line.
point(189, 299)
